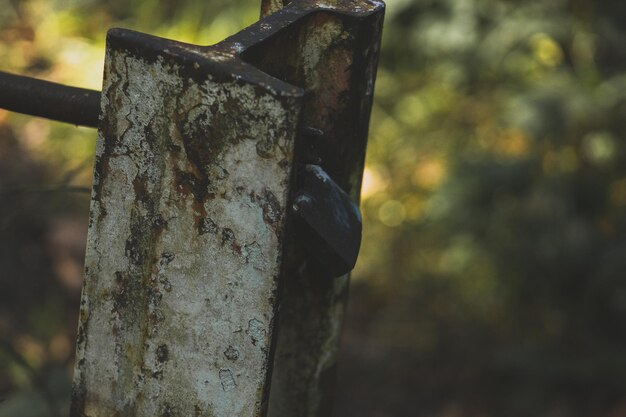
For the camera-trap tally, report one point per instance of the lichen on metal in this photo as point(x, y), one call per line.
point(192, 247)
point(184, 248)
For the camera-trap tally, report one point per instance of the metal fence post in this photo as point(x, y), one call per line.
point(193, 244)
point(194, 160)
point(333, 55)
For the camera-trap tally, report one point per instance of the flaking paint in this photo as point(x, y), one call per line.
point(184, 244)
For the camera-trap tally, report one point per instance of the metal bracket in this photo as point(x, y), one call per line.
point(332, 221)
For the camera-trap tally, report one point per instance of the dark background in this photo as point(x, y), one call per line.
point(492, 278)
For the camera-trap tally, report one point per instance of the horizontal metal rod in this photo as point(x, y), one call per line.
point(45, 189)
point(54, 101)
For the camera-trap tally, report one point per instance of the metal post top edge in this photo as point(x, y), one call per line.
point(199, 62)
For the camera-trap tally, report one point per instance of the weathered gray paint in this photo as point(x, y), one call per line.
point(184, 245)
point(192, 246)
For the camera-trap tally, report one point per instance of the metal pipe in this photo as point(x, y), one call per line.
point(54, 101)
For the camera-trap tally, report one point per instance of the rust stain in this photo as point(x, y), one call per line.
point(189, 209)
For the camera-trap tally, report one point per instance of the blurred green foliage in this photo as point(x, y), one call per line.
point(497, 203)
point(492, 276)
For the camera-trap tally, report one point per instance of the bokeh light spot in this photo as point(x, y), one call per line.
point(373, 182)
point(599, 147)
point(392, 213)
point(546, 50)
point(430, 173)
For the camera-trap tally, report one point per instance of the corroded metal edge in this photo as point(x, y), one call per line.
point(225, 59)
point(352, 7)
point(221, 61)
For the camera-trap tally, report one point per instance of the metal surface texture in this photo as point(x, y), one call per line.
point(193, 247)
point(333, 55)
point(193, 166)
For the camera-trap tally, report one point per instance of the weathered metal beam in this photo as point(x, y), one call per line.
point(193, 167)
point(333, 56)
point(193, 243)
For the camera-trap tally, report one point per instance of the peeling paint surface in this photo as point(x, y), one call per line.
point(192, 247)
point(185, 242)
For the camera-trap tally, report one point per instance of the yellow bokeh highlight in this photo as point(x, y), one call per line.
point(430, 173)
point(546, 50)
point(373, 182)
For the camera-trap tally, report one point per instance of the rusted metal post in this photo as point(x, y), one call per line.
point(333, 55)
point(194, 249)
point(194, 159)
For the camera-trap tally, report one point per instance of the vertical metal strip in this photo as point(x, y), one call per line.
point(333, 55)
